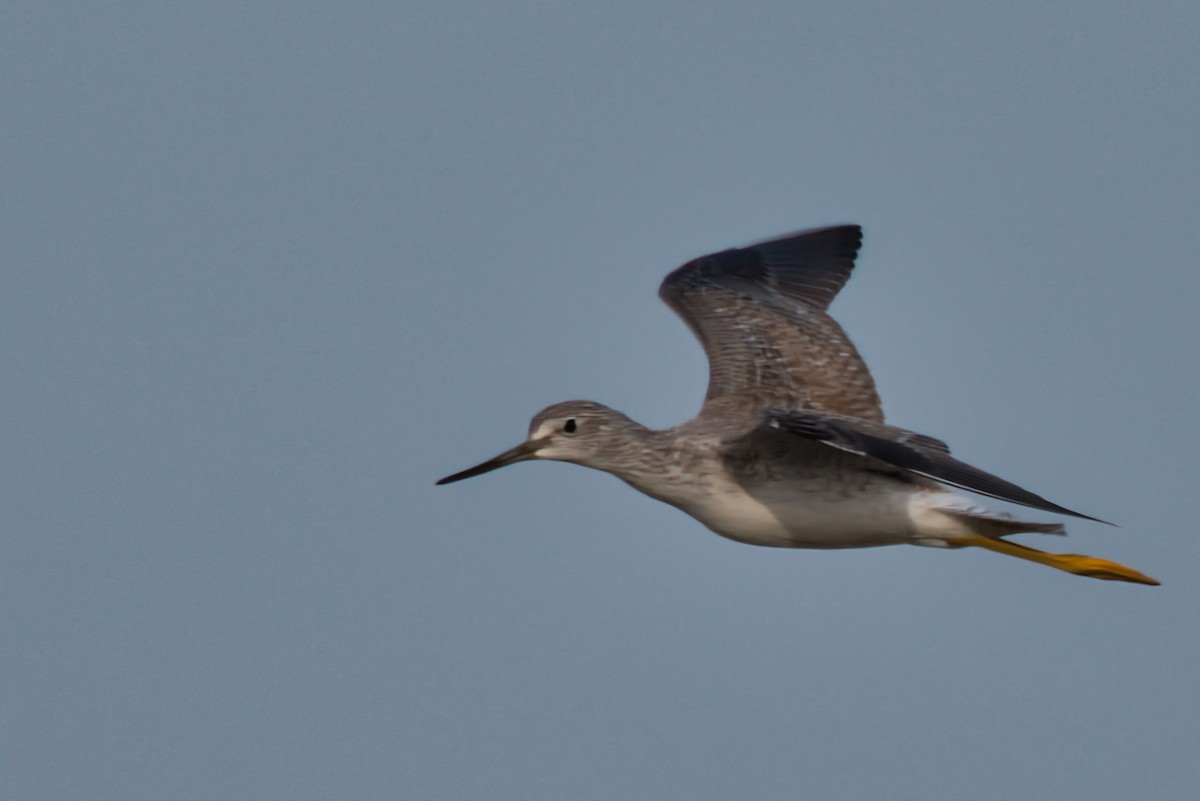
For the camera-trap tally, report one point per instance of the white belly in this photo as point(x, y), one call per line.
point(821, 518)
point(814, 498)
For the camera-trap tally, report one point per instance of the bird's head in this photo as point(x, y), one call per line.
point(576, 431)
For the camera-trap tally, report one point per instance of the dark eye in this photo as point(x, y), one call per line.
point(569, 426)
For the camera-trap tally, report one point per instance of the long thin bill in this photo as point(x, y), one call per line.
point(524, 451)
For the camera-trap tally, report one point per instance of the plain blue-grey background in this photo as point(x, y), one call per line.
point(271, 269)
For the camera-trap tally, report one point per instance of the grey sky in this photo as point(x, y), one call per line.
point(270, 271)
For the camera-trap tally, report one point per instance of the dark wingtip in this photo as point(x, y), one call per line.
point(1065, 511)
point(846, 233)
point(810, 266)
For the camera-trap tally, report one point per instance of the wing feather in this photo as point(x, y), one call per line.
point(759, 312)
point(906, 450)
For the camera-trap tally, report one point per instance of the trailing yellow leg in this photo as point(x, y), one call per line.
point(1075, 563)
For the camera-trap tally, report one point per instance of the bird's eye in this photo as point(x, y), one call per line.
point(569, 426)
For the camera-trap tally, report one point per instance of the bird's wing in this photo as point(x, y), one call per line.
point(759, 312)
point(904, 449)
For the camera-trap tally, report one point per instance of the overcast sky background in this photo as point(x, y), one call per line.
point(269, 270)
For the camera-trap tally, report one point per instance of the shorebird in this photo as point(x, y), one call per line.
point(790, 448)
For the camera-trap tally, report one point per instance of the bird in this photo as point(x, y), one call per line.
point(790, 448)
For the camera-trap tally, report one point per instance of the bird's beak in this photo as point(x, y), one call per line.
point(525, 450)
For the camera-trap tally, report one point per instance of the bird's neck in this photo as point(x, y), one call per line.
point(649, 460)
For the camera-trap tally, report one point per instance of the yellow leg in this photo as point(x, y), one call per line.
point(1075, 563)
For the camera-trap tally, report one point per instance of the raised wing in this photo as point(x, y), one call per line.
point(759, 312)
point(907, 450)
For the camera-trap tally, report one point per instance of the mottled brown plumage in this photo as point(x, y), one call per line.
point(790, 448)
point(759, 312)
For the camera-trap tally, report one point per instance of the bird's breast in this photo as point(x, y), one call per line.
point(822, 510)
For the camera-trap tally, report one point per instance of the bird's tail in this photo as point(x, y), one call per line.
point(984, 529)
point(1080, 565)
point(949, 519)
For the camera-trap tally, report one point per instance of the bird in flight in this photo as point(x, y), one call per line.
point(790, 448)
